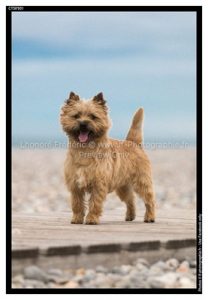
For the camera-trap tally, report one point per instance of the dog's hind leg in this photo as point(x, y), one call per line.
point(126, 195)
point(145, 190)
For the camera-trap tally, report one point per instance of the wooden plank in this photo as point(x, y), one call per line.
point(53, 234)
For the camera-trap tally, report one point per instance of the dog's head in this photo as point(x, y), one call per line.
point(85, 121)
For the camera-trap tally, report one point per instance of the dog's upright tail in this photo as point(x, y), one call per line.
point(135, 133)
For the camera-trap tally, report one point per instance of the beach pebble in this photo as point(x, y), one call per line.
point(101, 269)
point(141, 268)
point(80, 271)
point(55, 272)
point(89, 275)
point(193, 264)
point(172, 263)
point(142, 261)
point(155, 270)
point(78, 278)
point(31, 283)
point(160, 265)
point(116, 270)
point(186, 282)
point(58, 279)
point(34, 272)
point(124, 283)
point(71, 285)
point(168, 280)
point(183, 267)
point(113, 278)
point(18, 279)
point(125, 269)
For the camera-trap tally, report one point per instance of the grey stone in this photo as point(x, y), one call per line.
point(55, 272)
point(193, 271)
point(102, 281)
point(136, 276)
point(113, 278)
point(19, 279)
point(78, 278)
point(172, 263)
point(30, 283)
point(193, 264)
point(139, 283)
point(90, 284)
point(124, 283)
point(161, 265)
point(16, 285)
point(142, 261)
point(185, 263)
point(168, 280)
point(101, 269)
point(137, 279)
point(116, 270)
point(134, 272)
point(185, 282)
point(50, 285)
point(122, 270)
point(155, 270)
point(104, 285)
point(125, 269)
point(58, 279)
point(141, 268)
point(33, 272)
point(89, 275)
point(191, 276)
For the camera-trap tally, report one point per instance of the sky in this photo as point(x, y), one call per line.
point(137, 59)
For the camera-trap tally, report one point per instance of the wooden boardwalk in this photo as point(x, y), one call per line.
point(38, 238)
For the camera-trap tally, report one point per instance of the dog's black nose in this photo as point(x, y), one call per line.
point(83, 125)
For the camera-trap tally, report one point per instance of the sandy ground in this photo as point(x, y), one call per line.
point(38, 184)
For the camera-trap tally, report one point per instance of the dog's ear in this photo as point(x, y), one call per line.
point(72, 97)
point(99, 99)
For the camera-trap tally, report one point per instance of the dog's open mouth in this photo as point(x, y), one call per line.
point(83, 136)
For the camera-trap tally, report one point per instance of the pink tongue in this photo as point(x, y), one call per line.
point(83, 137)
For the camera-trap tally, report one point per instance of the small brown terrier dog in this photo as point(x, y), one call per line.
point(98, 165)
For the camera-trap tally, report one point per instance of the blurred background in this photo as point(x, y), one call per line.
point(135, 58)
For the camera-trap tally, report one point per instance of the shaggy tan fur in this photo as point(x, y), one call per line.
point(98, 165)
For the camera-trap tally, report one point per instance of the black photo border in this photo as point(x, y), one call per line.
point(25, 9)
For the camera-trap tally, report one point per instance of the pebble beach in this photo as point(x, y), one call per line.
point(38, 182)
point(141, 274)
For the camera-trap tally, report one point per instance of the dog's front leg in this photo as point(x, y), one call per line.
point(96, 200)
point(78, 206)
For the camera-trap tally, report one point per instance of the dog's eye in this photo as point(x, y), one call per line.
point(93, 117)
point(76, 116)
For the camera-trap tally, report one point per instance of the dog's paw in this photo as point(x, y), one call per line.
point(149, 218)
point(91, 221)
point(77, 220)
point(149, 221)
point(130, 215)
point(129, 218)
